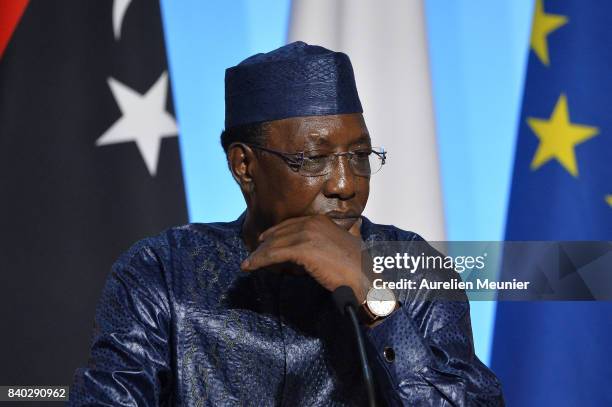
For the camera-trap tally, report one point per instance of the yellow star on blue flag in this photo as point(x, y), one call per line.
point(543, 25)
point(559, 138)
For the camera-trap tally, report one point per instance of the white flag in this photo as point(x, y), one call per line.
point(387, 45)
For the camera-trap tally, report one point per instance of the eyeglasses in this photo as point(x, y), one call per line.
point(364, 162)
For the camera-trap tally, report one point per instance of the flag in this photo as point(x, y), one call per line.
point(388, 49)
point(89, 163)
point(558, 353)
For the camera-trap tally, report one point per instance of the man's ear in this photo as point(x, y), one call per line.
point(242, 161)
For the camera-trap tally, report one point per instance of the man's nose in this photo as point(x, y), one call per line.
point(340, 181)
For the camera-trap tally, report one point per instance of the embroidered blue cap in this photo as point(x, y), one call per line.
point(294, 80)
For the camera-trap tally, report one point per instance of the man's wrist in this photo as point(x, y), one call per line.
point(372, 317)
point(361, 288)
point(370, 320)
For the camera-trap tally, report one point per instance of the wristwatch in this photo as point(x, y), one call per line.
point(379, 303)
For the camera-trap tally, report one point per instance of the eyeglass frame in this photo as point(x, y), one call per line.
point(296, 160)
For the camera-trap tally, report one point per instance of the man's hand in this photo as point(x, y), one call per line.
point(330, 254)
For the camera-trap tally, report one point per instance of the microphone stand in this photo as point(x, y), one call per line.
point(345, 300)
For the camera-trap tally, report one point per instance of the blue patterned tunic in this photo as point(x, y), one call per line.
point(179, 323)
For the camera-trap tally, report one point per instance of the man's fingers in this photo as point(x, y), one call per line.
point(282, 225)
point(288, 240)
point(296, 228)
point(300, 223)
point(268, 256)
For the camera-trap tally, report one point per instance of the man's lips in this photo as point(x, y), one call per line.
point(343, 214)
point(344, 219)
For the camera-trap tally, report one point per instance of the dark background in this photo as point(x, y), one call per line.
point(67, 207)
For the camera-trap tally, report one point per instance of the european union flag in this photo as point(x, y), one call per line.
point(559, 353)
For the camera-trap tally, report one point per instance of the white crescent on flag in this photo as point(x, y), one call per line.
point(119, 9)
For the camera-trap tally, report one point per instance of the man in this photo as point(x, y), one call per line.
point(240, 313)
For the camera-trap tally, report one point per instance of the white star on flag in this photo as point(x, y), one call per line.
point(145, 119)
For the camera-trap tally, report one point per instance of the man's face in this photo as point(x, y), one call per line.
point(281, 193)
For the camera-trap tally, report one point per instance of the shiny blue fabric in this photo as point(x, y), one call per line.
point(294, 80)
point(179, 323)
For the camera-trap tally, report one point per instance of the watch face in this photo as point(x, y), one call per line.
point(381, 301)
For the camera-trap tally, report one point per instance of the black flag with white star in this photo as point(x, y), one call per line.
point(89, 163)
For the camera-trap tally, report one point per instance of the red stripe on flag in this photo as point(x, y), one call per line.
point(10, 14)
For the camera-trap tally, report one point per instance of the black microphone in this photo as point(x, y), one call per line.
point(343, 297)
point(345, 300)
